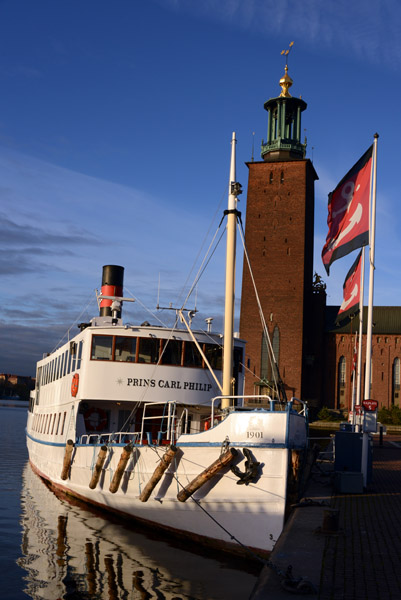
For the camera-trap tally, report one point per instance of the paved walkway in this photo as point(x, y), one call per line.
point(362, 561)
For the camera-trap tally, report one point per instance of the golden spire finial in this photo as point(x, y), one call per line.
point(286, 81)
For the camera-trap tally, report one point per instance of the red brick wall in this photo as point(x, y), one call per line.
point(279, 237)
point(385, 348)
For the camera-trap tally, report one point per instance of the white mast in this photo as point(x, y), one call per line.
point(365, 442)
point(234, 190)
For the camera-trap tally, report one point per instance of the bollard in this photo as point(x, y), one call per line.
point(97, 471)
point(158, 473)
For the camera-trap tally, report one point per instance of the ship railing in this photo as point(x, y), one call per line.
point(119, 437)
point(168, 419)
point(272, 403)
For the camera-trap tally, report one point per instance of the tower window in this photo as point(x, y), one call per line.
point(271, 177)
point(396, 381)
point(282, 177)
point(341, 379)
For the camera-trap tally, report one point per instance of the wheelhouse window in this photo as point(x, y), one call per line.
point(125, 349)
point(172, 353)
point(148, 350)
point(192, 356)
point(214, 355)
point(102, 347)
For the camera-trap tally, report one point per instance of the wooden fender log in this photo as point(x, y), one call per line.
point(158, 472)
point(69, 447)
point(207, 474)
point(125, 456)
point(98, 467)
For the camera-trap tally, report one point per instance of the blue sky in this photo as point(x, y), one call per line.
point(115, 128)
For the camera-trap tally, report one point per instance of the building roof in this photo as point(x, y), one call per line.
point(386, 320)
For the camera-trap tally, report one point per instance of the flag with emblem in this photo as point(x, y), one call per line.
point(348, 217)
point(351, 291)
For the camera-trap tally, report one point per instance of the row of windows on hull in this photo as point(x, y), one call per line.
point(52, 424)
point(61, 365)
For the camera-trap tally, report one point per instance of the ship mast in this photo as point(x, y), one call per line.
point(231, 212)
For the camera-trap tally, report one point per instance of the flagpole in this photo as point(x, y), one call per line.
point(353, 375)
point(365, 442)
point(360, 337)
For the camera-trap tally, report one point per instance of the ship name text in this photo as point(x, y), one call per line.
point(194, 386)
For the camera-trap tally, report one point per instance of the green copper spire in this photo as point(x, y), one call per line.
point(284, 124)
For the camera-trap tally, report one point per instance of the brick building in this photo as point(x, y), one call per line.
point(386, 357)
point(313, 356)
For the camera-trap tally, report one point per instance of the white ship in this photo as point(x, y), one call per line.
point(150, 422)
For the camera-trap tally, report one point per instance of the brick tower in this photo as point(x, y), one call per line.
point(279, 238)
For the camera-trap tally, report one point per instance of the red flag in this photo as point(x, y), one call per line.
point(351, 290)
point(348, 218)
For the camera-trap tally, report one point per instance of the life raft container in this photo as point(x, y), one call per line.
point(75, 385)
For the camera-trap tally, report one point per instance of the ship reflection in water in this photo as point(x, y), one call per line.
point(71, 552)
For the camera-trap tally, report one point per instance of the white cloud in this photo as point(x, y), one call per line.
point(367, 31)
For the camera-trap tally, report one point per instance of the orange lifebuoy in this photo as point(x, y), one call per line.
point(74, 385)
point(208, 423)
point(95, 419)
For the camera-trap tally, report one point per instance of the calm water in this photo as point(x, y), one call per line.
point(51, 548)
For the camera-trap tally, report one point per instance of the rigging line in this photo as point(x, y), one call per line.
point(67, 333)
point(203, 243)
point(145, 390)
point(145, 307)
point(231, 536)
point(204, 265)
point(262, 317)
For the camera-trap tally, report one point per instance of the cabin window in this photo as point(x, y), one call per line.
point(65, 363)
point(172, 353)
point(214, 355)
point(79, 356)
point(62, 426)
point(192, 356)
point(125, 349)
point(58, 423)
point(148, 350)
point(102, 346)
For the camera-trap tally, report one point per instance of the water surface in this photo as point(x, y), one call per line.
point(51, 547)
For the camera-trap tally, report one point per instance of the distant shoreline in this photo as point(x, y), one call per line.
point(14, 402)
